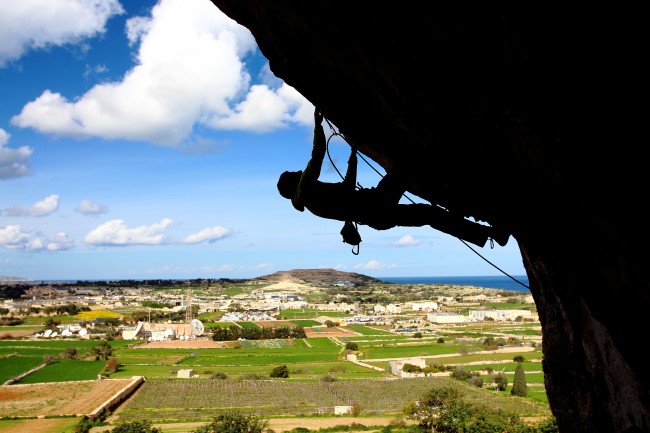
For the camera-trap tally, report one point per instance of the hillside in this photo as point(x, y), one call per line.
point(319, 276)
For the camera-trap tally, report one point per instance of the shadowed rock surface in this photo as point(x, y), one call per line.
point(530, 118)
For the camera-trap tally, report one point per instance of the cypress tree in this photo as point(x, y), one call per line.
point(519, 386)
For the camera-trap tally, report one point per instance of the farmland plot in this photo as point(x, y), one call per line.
point(198, 400)
point(57, 399)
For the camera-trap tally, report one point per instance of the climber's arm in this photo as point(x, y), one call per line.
point(313, 169)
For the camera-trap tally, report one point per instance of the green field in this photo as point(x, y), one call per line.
point(13, 366)
point(64, 370)
point(365, 330)
point(251, 325)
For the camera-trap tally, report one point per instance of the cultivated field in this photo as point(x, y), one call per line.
point(57, 399)
point(184, 400)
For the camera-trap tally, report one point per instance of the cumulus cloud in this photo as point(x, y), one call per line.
point(41, 208)
point(189, 71)
point(13, 162)
point(210, 234)
point(407, 241)
point(116, 232)
point(59, 242)
point(13, 237)
point(88, 207)
point(36, 24)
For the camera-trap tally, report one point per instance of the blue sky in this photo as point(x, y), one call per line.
point(143, 139)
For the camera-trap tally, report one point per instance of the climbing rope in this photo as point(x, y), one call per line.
point(327, 147)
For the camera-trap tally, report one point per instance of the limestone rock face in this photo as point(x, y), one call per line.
point(528, 117)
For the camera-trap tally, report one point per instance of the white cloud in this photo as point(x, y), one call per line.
point(15, 238)
point(12, 237)
point(13, 162)
point(37, 24)
point(189, 71)
point(41, 208)
point(116, 232)
point(407, 241)
point(210, 234)
point(59, 242)
point(88, 207)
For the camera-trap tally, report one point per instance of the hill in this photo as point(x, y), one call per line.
point(319, 276)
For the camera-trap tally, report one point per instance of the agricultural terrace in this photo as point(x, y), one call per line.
point(182, 400)
point(55, 399)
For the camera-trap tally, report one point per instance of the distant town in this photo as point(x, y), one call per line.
point(158, 310)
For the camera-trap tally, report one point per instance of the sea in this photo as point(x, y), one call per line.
point(518, 283)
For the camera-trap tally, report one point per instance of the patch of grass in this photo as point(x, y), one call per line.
point(17, 365)
point(306, 323)
point(365, 330)
point(65, 370)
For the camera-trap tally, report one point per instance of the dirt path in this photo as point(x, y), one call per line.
point(278, 424)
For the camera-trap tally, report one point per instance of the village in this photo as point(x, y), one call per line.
point(177, 309)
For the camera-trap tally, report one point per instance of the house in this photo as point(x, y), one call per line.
point(397, 367)
point(185, 373)
point(423, 306)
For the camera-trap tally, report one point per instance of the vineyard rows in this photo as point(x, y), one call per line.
point(200, 400)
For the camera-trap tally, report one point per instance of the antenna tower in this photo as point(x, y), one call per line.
point(188, 306)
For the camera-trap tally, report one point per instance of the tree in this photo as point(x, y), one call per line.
point(143, 426)
point(330, 324)
point(350, 345)
point(411, 368)
point(103, 350)
point(112, 365)
point(519, 358)
point(519, 386)
point(417, 335)
point(69, 353)
point(429, 407)
point(281, 371)
point(500, 381)
point(235, 422)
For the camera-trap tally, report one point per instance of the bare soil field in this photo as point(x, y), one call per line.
point(329, 332)
point(57, 398)
point(276, 324)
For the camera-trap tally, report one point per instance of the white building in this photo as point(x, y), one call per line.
point(397, 367)
point(423, 306)
point(440, 317)
point(499, 315)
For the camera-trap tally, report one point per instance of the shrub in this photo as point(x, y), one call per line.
point(328, 378)
point(219, 375)
point(351, 346)
point(235, 422)
point(112, 365)
point(476, 381)
point(281, 371)
point(143, 426)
